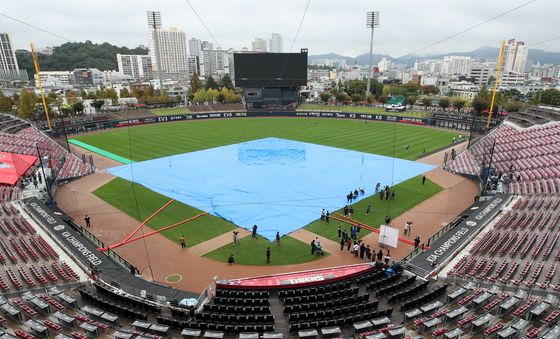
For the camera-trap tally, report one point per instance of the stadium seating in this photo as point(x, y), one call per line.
point(530, 153)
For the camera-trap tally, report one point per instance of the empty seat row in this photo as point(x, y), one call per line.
point(322, 305)
point(408, 292)
point(250, 319)
point(237, 309)
point(340, 311)
point(432, 293)
point(314, 290)
point(111, 305)
point(396, 286)
point(242, 294)
point(382, 282)
point(341, 321)
point(334, 295)
point(240, 301)
point(231, 328)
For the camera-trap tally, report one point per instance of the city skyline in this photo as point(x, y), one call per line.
point(404, 28)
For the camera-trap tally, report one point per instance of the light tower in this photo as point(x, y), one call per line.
point(372, 22)
point(154, 22)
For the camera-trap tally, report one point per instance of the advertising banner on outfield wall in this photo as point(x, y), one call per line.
point(294, 114)
point(439, 120)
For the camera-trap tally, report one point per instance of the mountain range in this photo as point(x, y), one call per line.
point(535, 55)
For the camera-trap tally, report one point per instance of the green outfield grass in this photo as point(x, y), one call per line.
point(253, 252)
point(119, 193)
point(170, 111)
point(159, 140)
point(407, 195)
point(363, 109)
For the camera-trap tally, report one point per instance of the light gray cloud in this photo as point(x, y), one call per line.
point(330, 26)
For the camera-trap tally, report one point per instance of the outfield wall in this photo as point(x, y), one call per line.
point(458, 123)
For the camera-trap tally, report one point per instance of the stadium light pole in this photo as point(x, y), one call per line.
point(372, 23)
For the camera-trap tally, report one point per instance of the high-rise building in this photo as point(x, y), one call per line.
point(54, 78)
point(481, 75)
point(207, 45)
point(139, 67)
point(172, 47)
point(456, 65)
point(9, 68)
point(195, 47)
point(384, 65)
point(192, 66)
point(258, 45)
point(214, 62)
point(275, 43)
point(515, 57)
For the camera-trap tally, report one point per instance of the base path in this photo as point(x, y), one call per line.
point(160, 257)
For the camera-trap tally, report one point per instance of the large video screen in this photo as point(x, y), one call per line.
point(270, 69)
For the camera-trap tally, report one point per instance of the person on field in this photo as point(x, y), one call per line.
point(268, 255)
point(407, 228)
point(313, 247)
point(356, 249)
point(230, 260)
point(368, 209)
point(339, 232)
point(423, 180)
point(87, 219)
point(254, 233)
point(277, 238)
point(379, 255)
point(235, 236)
point(183, 242)
point(323, 215)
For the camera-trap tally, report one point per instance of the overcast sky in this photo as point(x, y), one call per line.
point(330, 26)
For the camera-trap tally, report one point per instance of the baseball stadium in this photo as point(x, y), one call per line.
point(279, 218)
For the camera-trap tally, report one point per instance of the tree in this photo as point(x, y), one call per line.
point(211, 83)
point(479, 105)
point(226, 82)
point(459, 103)
point(481, 101)
point(27, 101)
point(426, 102)
point(221, 98)
point(352, 87)
point(550, 97)
point(124, 93)
point(78, 107)
point(194, 85)
point(111, 94)
point(6, 103)
point(200, 96)
point(212, 95)
point(514, 106)
point(430, 89)
point(357, 97)
point(444, 103)
point(98, 104)
point(341, 97)
point(325, 97)
point(411, 100)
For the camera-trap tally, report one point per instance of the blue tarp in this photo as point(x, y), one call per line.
point(276, 184)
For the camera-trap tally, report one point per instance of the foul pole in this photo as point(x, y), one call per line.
point(496, 82)
point(38, 72)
